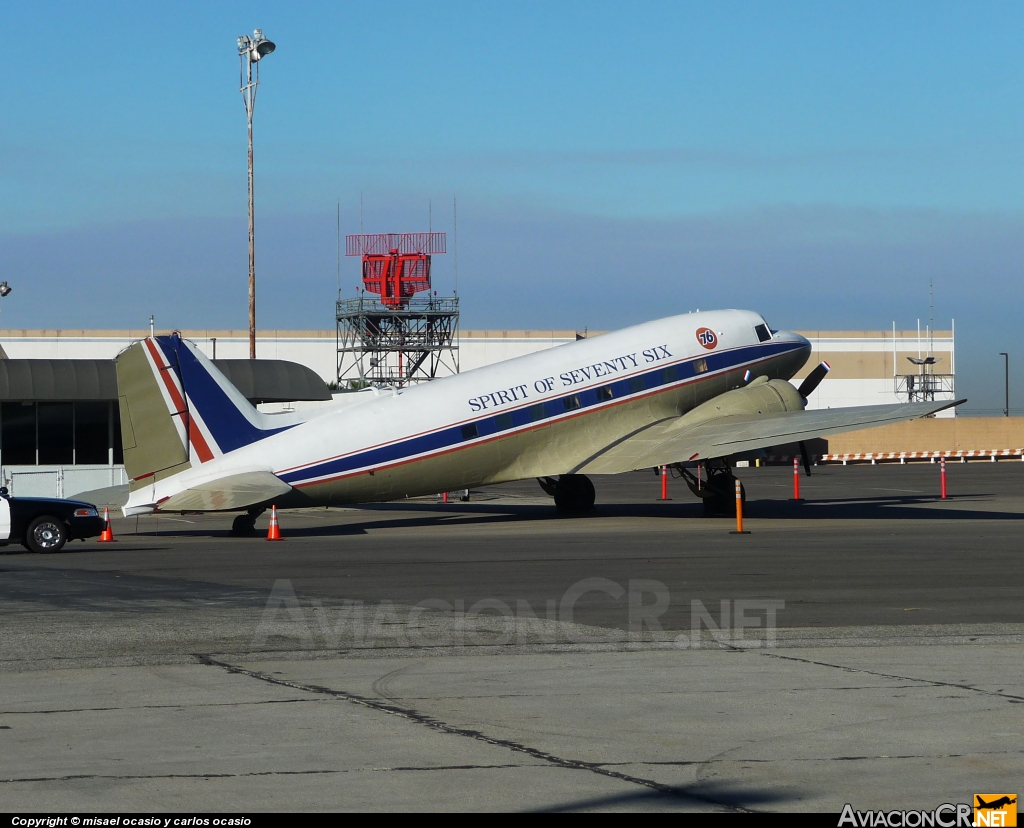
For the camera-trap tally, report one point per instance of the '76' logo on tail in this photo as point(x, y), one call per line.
point(706, 337)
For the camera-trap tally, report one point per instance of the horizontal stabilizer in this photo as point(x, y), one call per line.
point(226, 493)
point(676, 441)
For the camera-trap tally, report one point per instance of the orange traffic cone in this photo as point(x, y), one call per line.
point(274, 532)
point(108, 533)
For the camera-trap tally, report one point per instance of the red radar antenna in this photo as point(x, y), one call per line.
point(395, 265)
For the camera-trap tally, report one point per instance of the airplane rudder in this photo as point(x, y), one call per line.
point(152, 441)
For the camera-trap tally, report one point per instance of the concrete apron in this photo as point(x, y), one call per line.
point(436, 710)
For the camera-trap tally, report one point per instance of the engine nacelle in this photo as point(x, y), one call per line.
point(762, 396)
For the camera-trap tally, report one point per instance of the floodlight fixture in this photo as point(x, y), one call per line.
point(255, 47)
point(4, 288)
point(261, 47)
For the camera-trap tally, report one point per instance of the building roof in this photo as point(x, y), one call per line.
point(30, 380)
point(273, 380)
point(67, 380)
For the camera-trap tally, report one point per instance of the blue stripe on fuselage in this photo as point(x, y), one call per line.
point(511, 420)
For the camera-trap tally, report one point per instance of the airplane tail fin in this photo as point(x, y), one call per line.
point(178, 410)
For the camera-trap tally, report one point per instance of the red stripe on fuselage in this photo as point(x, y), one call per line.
point(195, 436)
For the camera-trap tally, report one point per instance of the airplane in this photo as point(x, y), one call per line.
point(691, 391)
point(996, 804)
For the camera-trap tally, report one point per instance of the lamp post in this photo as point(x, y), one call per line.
point(1006, 368)
point(250, 51)
point(4, 290)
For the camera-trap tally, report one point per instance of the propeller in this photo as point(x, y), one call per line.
point(805, 458)
point(812, 379)
point(805, 390)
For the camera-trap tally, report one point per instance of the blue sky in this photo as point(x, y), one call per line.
point(613, 162)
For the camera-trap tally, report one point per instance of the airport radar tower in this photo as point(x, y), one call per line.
point(389, 335)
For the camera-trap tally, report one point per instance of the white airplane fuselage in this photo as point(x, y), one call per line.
point(539, 415)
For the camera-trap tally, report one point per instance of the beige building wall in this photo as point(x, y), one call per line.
point(958, 434)
point(863, 364)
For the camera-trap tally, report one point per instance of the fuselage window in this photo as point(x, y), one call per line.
point(470, 431)
point(537, 412)
point(763, 334)
point(669, 374)
point(604, 393)
point(503, 421)
point(571, 403)
point(700, 366)
point(636, 384)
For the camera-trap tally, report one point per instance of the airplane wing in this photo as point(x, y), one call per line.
point(675, 441)
point(234, 492)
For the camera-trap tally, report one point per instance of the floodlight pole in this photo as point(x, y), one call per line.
point(1006, 368)
point(250, 50)
point(250, 102)
point(4, 290)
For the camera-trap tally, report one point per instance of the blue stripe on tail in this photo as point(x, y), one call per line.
point(223, 416)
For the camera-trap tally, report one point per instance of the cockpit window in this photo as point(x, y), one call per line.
point(763, 334)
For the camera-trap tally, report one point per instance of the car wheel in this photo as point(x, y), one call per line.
point(46, 534)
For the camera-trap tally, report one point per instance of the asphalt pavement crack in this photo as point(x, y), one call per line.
point(311, 772)
point(148, 707)
point(1001, 694)
point(409, 714)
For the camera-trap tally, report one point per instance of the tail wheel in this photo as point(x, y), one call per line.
point(243, 526)
point(46, 534)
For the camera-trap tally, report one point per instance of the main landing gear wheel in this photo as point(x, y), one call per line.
point(723, 504)
point(244, 526)
point(46, 534)
point(574, 494)
point(718, 492)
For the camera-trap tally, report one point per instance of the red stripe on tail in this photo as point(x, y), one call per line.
point(195, 436)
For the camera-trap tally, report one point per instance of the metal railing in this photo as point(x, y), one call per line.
point(395, 346)
point(364, 304)
point(62, 481)
point(924, 387)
